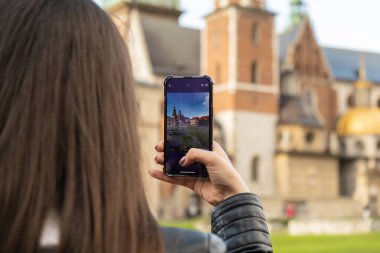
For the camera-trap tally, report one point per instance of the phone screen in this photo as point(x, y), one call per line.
point(188, 122)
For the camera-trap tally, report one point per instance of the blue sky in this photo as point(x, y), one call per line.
point(190, 104)
point(348, 24)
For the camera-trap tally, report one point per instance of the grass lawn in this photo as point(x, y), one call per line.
point(282, 243)
point(366, 243)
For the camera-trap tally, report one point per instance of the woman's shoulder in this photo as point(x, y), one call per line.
point(184, 241)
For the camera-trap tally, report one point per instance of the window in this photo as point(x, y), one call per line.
point(254, 73)
point(255, 169)
point(279, 137)
point(309, 137)
point(217, 37)
point(350, 101)
point(343, 146)
point(256, 33)
point(218, 73)
point(359, 146)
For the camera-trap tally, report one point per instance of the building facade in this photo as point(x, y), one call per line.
point(288, 111)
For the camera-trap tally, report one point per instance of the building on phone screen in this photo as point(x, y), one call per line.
point(298, 120)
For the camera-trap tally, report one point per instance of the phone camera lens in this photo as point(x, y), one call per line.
point(202, 85)
point(206, 85)
point(170, 85)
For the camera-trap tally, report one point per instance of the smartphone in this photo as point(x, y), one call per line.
point(188, 122)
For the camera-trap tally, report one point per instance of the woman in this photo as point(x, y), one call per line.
point(69, 146)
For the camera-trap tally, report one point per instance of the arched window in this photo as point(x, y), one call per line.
point(255, 168)
point(254, 72)
point(256, 33)
point(309, 137)
point(350, 101)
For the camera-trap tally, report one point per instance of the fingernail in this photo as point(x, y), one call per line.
point(156, 147)
point(182, 161)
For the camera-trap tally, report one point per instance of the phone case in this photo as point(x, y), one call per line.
point(211, 121)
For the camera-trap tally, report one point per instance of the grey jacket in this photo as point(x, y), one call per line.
point(238, 225)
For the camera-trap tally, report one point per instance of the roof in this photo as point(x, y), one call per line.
point(344, 64)
point(286, 39)
point(296, 110)
point(173, 50)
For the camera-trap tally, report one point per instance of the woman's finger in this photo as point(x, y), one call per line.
point(159, 159)
point(187, 182)
point(160, 146)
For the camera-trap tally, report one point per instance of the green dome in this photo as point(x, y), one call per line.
point(171, 4)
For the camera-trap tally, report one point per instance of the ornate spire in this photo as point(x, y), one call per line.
point(362, 69)
point(297, 11)
point(362, 93)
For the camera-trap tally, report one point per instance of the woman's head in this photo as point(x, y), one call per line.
point(68, 138)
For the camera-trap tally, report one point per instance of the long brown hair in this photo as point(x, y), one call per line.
point(68, 138)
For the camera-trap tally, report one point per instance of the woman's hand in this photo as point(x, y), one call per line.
point(223, 181)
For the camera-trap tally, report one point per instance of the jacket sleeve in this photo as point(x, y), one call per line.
point(240, 222)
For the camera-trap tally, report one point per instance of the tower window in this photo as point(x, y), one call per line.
point(309, 137)
point(256, 33)
point(218, 73)
point(255, 168)
point(254, 73)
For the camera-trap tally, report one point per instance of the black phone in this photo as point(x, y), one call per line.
point(188, 122)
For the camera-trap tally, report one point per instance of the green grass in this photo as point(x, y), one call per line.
point(366, 243)
point(186, 224)
point(283, 243)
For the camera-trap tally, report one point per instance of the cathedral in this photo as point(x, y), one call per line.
point(300, 122)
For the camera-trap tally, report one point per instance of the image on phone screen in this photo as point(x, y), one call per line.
point(188, 124)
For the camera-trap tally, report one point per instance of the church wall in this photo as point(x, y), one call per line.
point(227, 121)
point(308, 177)
point(294, 138)
point(150, 103)
point(142, 67)
point(254, 137)
point(343, 91)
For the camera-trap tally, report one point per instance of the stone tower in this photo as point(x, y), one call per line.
point(239, 51)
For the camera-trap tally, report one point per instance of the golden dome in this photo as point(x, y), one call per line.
point(360, 121)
